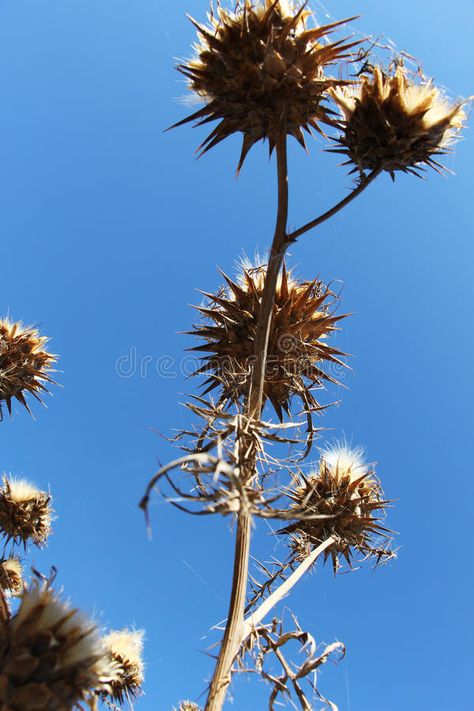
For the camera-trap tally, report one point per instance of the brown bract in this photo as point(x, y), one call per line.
point(25, 365)
point(50, 657)
point(340, 500)
point(260, 71)
point(394, 123)
point(25, 512)
point(302, 320)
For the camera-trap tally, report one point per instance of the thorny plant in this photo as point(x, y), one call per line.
point(270, 643)
point(52, 658)
point(267, 70)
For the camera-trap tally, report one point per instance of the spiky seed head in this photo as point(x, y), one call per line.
point(340, 500)
point(25, 512)
point(125, 648)
point(261, 71)
point(11, 579)
point(395, 123)
point(303, 319)
point(50, 655)
point(188, 706)
point(25, 364)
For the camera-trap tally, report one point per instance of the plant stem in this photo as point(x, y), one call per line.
point(256, 617)
point(233, 632)
point(339, 206)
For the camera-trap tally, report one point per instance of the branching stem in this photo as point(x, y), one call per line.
point(267, 605)
point(237, 629)
point(365, 182)
point(235, 620)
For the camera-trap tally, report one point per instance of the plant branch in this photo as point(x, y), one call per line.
point(339, 206)
point(233, 632)
point(267, 605)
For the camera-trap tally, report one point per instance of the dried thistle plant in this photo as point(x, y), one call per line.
point(298, 348)
point(25, 364)
point(50, 656)
point(124, 649)
point(25, 512)
point(395, 122)
point(11, 576)
point(339, 500)
point(267, 70)
point(260, 68)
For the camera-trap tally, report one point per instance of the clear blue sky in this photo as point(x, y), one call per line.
point(109, 225)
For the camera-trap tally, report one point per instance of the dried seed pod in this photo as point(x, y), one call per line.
point(25, 365)
point(303, 318)
point(260, 71)
point(338, 500)
point(50, 656)
point(11, 579)
point(392, 122)
point(188, 706)
point(124, 648)
point(25, 512)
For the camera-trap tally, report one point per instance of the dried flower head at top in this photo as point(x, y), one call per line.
point(25, 512)
point(25, 364)
point(50, 656)
point(124, 648)
point(337, 500)
point(303, 319)
point(261, 71)
point(393, 122)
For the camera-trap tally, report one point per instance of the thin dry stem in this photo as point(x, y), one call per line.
point(267, 605)
point(364, 183)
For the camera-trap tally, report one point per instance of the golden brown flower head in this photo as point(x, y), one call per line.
point(392, 122)
point(124, 648)
point(260, 71)
point(188, 706)
point(50, 656)
point(338, 500)
point(11, 576)
point(25, 365)
point(25, 512)
point(302, 321)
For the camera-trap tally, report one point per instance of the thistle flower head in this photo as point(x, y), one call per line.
point(25, 364)
point(339, 500)
point(11, 576)
point(124, 648)
point(261, 71)
point(50, 656)
point(302, 320)
point(392, 122)
point(25, 512)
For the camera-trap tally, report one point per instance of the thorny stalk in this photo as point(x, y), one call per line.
point(237, 630)
point(233, 632)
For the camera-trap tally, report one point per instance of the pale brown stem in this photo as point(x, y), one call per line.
point(235, 620)
point(339, 206)
point(277, 595)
